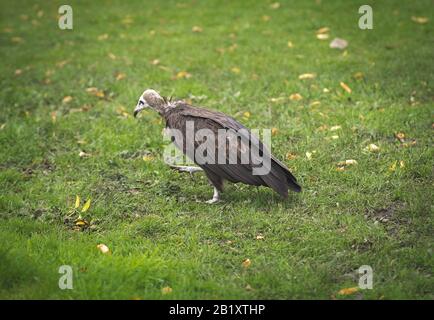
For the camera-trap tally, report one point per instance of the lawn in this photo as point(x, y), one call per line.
point(66, 130)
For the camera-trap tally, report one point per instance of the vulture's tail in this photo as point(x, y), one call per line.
point(280, 179)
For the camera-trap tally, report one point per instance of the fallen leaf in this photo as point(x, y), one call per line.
point(103, 248)
point(338, 43)
point(246, 263)
point(420, 20)
point(77, 202)
point(348, 291)
point(309, 155)
point(334, 128)
point(147, 158)
point(347, 162)
point(155, 62)
point(322, 30)
point(120, 76)
point(17, 39)
point(83, 154)
point(345, 87)
point(290, 44)
point(266, 18)
point(290, 156)
point(295, 97)
point(358, 75)
point(372, 148)
point(322, 36)
point(103, 37)
point(274, 131)
point(260, 237)
point(306, 76)
point(275, 5)
point(111, 56)
point(335, 137)
point(67, 99)
point(166, 290)
point(393, 166)
point(246, 114)
point(18, 72)
point(197, 29)
point(95, 92)
point(183, 75)
point(401, 164)
point(236, 70)
point(86, 206)
point(400, 136)
point(340, 169)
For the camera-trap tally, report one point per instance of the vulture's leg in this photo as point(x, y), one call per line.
point(215, 197)
point(188, 169)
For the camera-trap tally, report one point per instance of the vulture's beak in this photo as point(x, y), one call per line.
point(140, 106)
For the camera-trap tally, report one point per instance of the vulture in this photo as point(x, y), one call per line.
point(238, 150)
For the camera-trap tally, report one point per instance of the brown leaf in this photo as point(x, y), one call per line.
point(67, 99)
point(345, 87)
point(246, 263)
point(295, 97)
point(197, 29)
point(103, 248)
point(348, 291)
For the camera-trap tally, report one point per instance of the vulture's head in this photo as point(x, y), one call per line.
point(150, 99)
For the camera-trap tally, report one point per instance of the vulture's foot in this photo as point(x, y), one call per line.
point(188, 169)
point(215, 197)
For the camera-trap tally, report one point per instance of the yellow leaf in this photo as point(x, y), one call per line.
point(86, 206)
point(323, 30)
point(401, 164)
point(77, 202)
point(322, 36)
point(372, 148)
point(309, 155)
point(148, 157)
point(348, 291)
point(393, 166)
point(166, 290)
point(197, 29)
point(67, 99)
point(349, 162)
point(307, 76)
point(246, 263)
point(290, 44)
point(358, 75)
point(290, 156)
point(274, 131)
point(266, 18)
point(400, 136)
point(236, 70)
point(295, 97)
point(120, 76)
point(183, 75)
point(103, 36)
point(246, 114)
point(334, 128)
point(420, 20)
point(345, 87)
point(275, 5)
point(103, 248)
point(112, 56)
point(260, 237)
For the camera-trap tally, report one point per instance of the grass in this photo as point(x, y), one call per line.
point(153, 219)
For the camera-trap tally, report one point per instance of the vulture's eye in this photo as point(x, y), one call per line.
point(141, 103)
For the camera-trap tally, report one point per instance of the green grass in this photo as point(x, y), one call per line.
point(153, 219)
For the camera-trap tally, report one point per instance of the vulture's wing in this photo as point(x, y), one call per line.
point(279, 178)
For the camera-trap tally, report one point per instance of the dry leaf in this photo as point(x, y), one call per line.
point(260, 237)
point(246, 114)
point(166, 290)
point(17, 39)
point(307, 76)
point(111, 56)
point(420, 20)
point(83, 154)
point(148, 157)
point(290, 156)
point(18, 72)
point(67, 99)
point(295, 97)
point(400, 136)
point(120, 76)
point(183, 75)
point(348, 291)
point(236, 70)
point(77, 202)
point(345, 87)
point(197, 29)
point(340, 169)
point(103, 248)
point(335, 137)
point(103, 36)
point(96, 92)
point(246, 263)
point(372, 148)
point(315, 103)
point(322, 36)
point(274, 131)
point(86, 206)
point(290, 44)
point(347, 162)
point(358, 75)
point(309, 155)
point(334, 128)
point(266, 18)
point(62, 63)
point(323, 30)
point(155, 62)
point(275, 5)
